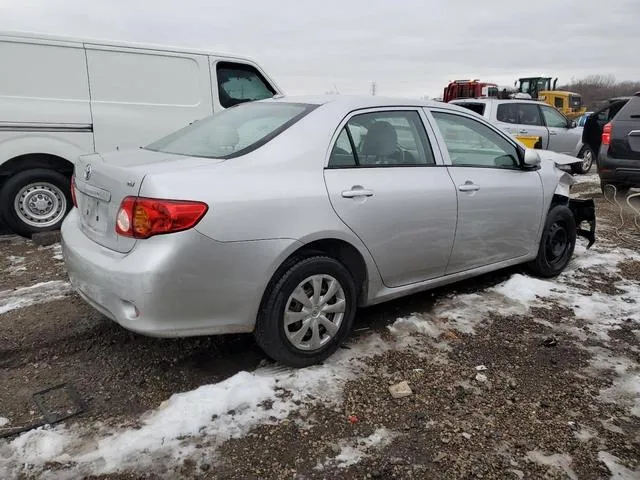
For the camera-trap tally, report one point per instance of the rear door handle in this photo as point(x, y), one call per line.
point(553, 133)
point(357, 191)
point(522, 130)
point(469, 187)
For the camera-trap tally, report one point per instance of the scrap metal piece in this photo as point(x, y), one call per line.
point(51, 416)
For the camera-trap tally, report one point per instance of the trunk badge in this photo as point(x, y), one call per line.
point(87, 172)
point(131, 183)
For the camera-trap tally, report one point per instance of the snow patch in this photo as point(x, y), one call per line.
point(561, 462)
point(221, 411)
point(16, 265)
point(618, 471)
point(35, 294)
point(4, 421)
point(354, 450)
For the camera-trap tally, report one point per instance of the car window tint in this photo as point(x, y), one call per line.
point(473, 144)
point(238, 83)
point(529, 114)
point(390, 139)
point(630, 110)
point(342, 154)
point(553, 118)
point(507, 113)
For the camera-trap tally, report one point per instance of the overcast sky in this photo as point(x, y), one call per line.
point(408, 47)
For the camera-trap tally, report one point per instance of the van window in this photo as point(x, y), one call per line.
point(233, 132)
point(239, 83)
point(630, 110)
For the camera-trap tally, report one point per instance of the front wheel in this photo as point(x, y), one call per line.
point(587, 156)
point(557, 243)
point(307, 313)
point(34, 201)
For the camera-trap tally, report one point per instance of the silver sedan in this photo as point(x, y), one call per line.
point(280, 217)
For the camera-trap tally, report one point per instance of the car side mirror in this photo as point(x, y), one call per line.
point(572, 124)
point(532, 158)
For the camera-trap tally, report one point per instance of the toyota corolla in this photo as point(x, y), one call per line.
point(281, 217)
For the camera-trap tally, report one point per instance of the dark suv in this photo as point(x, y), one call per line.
point(619, 156)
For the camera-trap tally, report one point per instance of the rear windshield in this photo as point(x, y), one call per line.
point(474, 107)
point(233, 132)
point(630, 110)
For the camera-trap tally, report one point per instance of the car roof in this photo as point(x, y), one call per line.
point(354, 101)
point(495, 100)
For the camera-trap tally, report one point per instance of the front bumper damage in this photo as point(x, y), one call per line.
point(584, 211)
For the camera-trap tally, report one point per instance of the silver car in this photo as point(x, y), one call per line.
point(535, 118)
point(280, 217)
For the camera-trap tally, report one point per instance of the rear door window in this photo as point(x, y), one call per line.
point(238, 83)
point(529, 114)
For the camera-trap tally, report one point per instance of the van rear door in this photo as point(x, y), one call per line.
point(139, 95)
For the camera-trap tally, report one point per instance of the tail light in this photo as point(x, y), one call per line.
point(141, 217)
point(73, 191)
point(606, 134)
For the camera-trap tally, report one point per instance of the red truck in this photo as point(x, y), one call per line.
point(469, 89)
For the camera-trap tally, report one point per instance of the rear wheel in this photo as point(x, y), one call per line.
point(557, 243)
point(307, 313)
point(587, 156)
point(35, 200)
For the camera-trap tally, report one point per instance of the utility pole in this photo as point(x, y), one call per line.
point(373, 89)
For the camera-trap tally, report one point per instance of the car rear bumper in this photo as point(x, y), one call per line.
point(618, 171)
point(174, 285)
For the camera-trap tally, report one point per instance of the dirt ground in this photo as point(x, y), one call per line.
point(538, 414)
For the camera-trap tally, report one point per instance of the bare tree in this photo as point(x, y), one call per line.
point(599, 87)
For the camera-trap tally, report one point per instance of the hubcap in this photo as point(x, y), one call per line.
point(587, 160)
point(557, 243)
point(40, 205)
point(314, 312)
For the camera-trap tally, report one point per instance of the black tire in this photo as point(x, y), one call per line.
point(586, 153)
point(557, 243)
point(270, 327)
point(56, 188)
point(609, 189)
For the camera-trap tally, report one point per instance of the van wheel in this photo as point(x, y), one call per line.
point(587, 156)
point(34, 201)
point(308, 313)
point(557, 243)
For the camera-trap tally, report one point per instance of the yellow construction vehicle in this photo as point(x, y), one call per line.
point(541, 88)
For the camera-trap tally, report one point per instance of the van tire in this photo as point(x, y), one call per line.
point(35, 200)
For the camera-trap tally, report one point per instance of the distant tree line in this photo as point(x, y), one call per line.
point(597, 88)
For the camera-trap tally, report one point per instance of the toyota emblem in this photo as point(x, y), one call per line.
point(87, 172)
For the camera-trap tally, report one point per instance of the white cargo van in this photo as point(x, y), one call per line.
point(62, 97)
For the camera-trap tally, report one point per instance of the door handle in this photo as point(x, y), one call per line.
point(357, 191)
point(522, 130)
point(553, 133)
point(469, 187)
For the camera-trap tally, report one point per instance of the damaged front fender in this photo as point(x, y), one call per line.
point(584, 211)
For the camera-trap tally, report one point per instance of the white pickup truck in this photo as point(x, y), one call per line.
point(534, 118)
point(64, 97)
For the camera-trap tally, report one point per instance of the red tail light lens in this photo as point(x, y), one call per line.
point(606, 134)
point(73, 191)
point(141, 217)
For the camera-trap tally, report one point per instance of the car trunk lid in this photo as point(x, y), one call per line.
point(102, 181)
